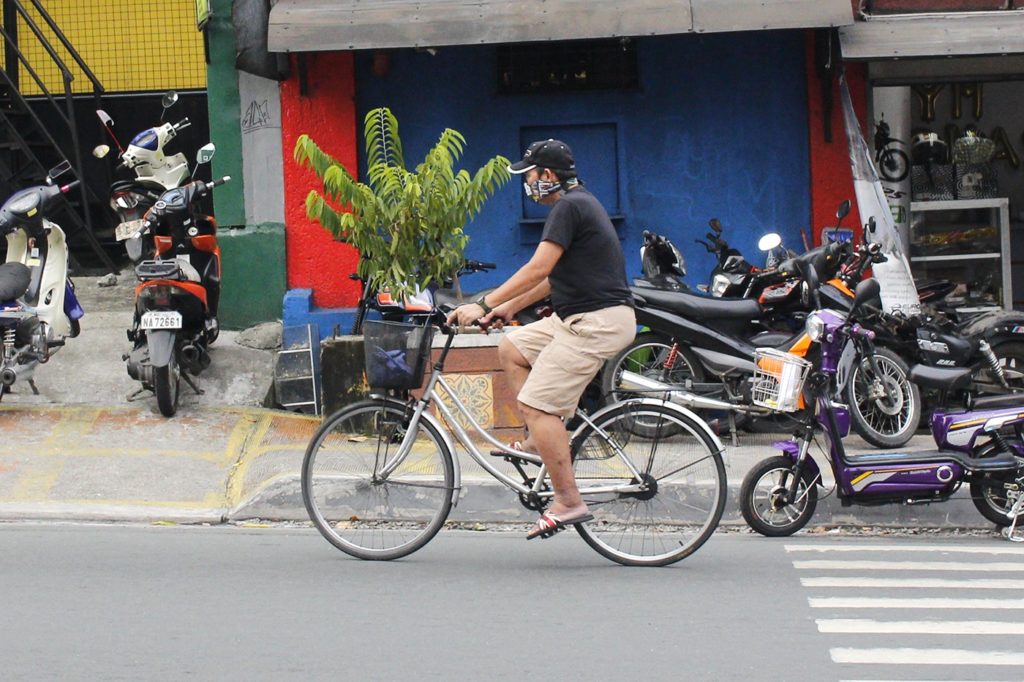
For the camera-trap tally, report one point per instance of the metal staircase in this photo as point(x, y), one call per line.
point(28, 147)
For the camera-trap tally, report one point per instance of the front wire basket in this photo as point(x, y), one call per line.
point(396, 353)
point(778, 382)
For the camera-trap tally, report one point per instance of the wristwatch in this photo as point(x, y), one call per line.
point(483, 304)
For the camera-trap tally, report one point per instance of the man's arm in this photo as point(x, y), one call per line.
point(529, 280)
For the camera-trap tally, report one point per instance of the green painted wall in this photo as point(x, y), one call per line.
point(224, 105)
point(253, 282)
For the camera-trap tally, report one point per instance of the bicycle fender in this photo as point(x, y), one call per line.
point(700, 423)
point(161, 346)
point(445, 436)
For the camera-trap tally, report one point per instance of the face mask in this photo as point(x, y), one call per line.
point(538, 189)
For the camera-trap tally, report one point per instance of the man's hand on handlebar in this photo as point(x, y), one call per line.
point(472, 313)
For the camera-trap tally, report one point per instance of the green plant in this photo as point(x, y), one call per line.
point(407, 225)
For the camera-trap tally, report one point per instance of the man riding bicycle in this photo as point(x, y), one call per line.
point(579, 263)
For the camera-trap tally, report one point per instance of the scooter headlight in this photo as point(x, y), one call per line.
point(815, 326)
point(719, 283)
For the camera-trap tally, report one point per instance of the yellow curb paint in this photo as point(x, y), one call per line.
point(37, 480)
point(245, 458)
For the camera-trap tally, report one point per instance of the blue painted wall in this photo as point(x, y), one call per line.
point(718, 128)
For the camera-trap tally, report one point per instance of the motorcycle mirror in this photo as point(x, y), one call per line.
point(770, 241)
point(716, 225)
point(205, 153)
point(871, 225)
point(169, 98)
point(134, 248)
point(100, 151)
point(843, 210)
point(57, 171)
point(867, 289)
point(105, 118)
point(810, 276)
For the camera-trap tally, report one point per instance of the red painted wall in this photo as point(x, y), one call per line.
point(328, 114)
point(831, 177)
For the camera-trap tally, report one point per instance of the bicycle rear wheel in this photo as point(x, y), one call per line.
point(683, 487)
point(357, 503)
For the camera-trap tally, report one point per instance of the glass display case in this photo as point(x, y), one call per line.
point(967, 242)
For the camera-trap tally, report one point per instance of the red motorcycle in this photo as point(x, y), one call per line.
point(176, 301)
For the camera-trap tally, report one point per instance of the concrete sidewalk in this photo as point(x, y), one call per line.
point(231, 464)
point(81, 451)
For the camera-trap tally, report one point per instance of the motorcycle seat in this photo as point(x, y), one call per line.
point(947, 378)
point(14, 280)
point(999, 462)
point(697, 307)
point(447, 297)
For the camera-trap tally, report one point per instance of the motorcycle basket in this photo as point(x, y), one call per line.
point(778, 381)
point(396, 353)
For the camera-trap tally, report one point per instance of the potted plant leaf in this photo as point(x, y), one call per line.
point(406, 224)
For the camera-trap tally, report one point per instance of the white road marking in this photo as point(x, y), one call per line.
point(995, 548)
point(859, 581)
point(844, 565)
point(919, 657)
point(906, 603)
point(919, 627)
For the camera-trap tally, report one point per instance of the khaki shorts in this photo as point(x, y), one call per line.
point(564, 355)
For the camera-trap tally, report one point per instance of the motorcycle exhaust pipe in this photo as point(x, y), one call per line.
point(8, 377)
point(194, 358)
point(638, 383)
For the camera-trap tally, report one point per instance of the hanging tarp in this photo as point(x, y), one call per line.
point(897, 284)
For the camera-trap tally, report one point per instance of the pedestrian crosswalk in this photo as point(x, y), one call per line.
point(917, 612)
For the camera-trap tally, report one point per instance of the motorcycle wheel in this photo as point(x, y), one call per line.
point(993, 500)
point(1011, 356)
point(166, 382)
point(764, 499)
point(884, 422)
point(989, 492)
point(646, 355)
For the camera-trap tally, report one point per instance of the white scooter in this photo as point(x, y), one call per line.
point(38, 306)
point(154, 171)
point(145, 152)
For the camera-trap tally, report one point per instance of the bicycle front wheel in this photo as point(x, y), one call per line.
point(361, 497)
point(673, 494)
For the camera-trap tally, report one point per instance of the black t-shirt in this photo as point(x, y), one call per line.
point(591, 274)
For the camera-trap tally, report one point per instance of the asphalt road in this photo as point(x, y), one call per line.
point(107, 602)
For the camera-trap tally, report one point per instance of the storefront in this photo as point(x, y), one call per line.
point(944, 92)
point(683, 113)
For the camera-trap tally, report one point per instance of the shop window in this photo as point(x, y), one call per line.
point(568, 66)
point(595, 147)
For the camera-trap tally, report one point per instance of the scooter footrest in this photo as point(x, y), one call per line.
point(157, 269)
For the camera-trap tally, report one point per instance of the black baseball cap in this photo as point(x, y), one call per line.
point(553, 154)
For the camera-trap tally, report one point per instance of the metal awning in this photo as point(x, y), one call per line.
point(324, 25)
point(932, 35)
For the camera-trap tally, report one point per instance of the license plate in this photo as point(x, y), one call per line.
point(160, 319)
point(127, 229)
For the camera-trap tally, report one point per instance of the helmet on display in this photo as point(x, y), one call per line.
point(928, 147)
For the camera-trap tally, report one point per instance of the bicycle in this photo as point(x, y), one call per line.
point(379, 477)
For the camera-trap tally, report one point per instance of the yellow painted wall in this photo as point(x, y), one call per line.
point(131, 45)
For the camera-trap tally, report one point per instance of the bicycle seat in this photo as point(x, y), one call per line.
point(14, 280)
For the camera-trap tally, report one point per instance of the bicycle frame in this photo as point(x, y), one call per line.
point(431, 396)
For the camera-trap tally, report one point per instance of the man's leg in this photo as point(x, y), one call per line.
point(548, 435)
point(514, 364)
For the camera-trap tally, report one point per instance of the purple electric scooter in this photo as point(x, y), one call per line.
point(982, 444)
